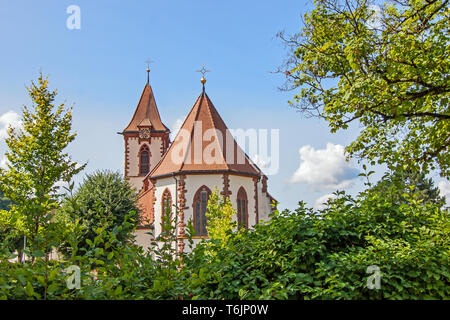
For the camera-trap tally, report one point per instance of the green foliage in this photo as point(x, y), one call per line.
point(304, 254)
point(387, 70)
point(325, 255)
point(37, 162)
point(109, 269)
point(12, 229)
point(103, 200)
point(220, 213)
point(400, 184)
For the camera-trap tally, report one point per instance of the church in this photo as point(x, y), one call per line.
point(180, 175)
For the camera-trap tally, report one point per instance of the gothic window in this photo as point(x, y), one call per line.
point(242, 208)
point(199, 206)
point(144, 160)
point(166, 206)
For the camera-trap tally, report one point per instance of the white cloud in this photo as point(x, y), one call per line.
point(319, 204)
point(175, 128)
point(324, 168)
point(375, 17)
point(3, 162)
point(7, 119)
point(444, 188)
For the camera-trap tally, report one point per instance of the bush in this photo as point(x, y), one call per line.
point(325, 254)
point(104, 199)
point(304, 254)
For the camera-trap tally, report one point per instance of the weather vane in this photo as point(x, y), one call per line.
point(203, 71)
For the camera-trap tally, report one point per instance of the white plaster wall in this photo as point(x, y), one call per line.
point(136, 182)
point(155, 151)
point(247, 183)
point(264, 204)
point(193, 183)
point(133, 154)
point(143, 239)
point(133, 160)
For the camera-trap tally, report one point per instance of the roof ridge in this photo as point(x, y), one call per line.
point(147, 108)
point(135, 110)
point(193, 129)
point(215, 124)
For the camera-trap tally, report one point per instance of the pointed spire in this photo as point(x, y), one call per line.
point(146, 113)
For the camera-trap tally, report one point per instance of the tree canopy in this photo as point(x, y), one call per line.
point(37, 161)
point(400, 186)
point(103, 200)
point(386, 66)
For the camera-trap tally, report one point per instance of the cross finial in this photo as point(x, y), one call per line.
point(203, 71)
point(148, 61)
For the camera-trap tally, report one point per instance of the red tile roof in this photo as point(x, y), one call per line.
point(146, 113)
point(205, 113)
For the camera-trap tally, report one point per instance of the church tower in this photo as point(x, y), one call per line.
point(146, 138)
point(203, 156)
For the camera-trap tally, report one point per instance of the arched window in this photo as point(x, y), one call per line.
point(166, 206)
point(144, 160)
point(242, 208)
point(199, 205)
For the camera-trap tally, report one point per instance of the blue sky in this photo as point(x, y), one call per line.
point(100, 70)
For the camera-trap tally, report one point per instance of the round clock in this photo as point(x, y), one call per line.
point(144, 133)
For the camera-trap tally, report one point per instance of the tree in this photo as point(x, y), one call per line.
point(103, 200)
point(37, 161)
point(400, 186)
point(220, 214)
point(385, 66)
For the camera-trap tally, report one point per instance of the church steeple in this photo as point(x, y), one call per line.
point(202, 119)
point(146, 113)
point(146, 138)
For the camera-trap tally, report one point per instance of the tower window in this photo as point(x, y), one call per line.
point(144, 161)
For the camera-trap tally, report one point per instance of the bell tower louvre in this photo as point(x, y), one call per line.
point(146, 138)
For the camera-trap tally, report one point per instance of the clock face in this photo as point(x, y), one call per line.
point(144, 133)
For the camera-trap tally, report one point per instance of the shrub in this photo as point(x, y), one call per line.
point(325, 254)
point(104, 199)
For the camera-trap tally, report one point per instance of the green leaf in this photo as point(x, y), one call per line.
point(29, 290)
